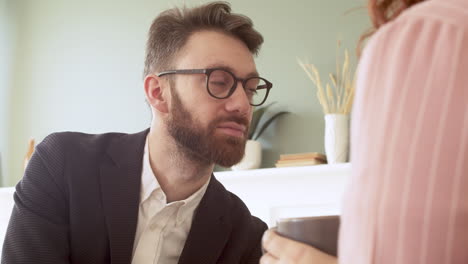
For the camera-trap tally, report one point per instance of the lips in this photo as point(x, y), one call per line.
point(233, 128)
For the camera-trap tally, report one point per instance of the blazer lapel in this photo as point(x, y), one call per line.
point(211, 227)
point(120, 184)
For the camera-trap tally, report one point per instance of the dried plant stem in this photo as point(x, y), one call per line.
point(338, 97)
point(314, 76)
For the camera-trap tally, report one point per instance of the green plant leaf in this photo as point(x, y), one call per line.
point(268, 122)
point(256, 116)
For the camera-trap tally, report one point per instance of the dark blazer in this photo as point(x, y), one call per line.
point(78, 203)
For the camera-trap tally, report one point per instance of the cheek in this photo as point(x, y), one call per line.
point(250, 114)
point(200, 114)
point(200, 99)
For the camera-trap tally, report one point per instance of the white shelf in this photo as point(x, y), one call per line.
point(300, 191)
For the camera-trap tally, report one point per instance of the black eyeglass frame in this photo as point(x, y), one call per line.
point(268, 85)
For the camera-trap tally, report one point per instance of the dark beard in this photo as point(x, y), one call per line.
point(202, 145)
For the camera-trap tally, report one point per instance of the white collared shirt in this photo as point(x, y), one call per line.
point(162, 227)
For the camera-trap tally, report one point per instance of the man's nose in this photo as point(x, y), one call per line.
point(238, 101)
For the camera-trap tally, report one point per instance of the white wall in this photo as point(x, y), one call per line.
point(79, 67)
point(7, 36)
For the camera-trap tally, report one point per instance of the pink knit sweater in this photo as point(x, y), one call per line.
point(407, 198)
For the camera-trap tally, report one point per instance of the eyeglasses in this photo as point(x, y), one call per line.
point(221, 84)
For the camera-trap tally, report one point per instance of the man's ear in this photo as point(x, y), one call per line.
point(157, 92)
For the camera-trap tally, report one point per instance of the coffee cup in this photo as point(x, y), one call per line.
point(320, 232)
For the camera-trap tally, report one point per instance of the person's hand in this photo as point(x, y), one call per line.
point(280, 250)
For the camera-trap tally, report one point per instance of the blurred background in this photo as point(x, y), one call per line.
point(70, 65)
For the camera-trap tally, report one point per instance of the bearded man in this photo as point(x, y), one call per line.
point(151, 197)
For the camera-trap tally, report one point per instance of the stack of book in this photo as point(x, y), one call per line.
point(301, 159)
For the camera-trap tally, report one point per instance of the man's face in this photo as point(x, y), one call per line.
point(211, 130)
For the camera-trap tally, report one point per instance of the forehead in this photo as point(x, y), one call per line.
point(207, 49)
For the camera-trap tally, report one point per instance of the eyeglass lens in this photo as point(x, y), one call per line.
point(221, 82)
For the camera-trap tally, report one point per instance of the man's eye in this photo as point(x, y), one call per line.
point(251, 91)
point(220, 83)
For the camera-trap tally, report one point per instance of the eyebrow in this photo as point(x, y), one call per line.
point(228, 68)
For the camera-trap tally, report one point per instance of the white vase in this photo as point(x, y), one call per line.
point(252, 157)
point(336, 138)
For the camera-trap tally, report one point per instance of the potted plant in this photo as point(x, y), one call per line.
point(253, 149)
point(336, 100)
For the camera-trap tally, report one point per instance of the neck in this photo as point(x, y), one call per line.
point(178, 173)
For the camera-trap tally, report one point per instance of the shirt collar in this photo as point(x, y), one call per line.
point(149, 183)
point(191, 203)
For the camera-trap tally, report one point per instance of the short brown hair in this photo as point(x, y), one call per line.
point(172, 28)
point(382, 12)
